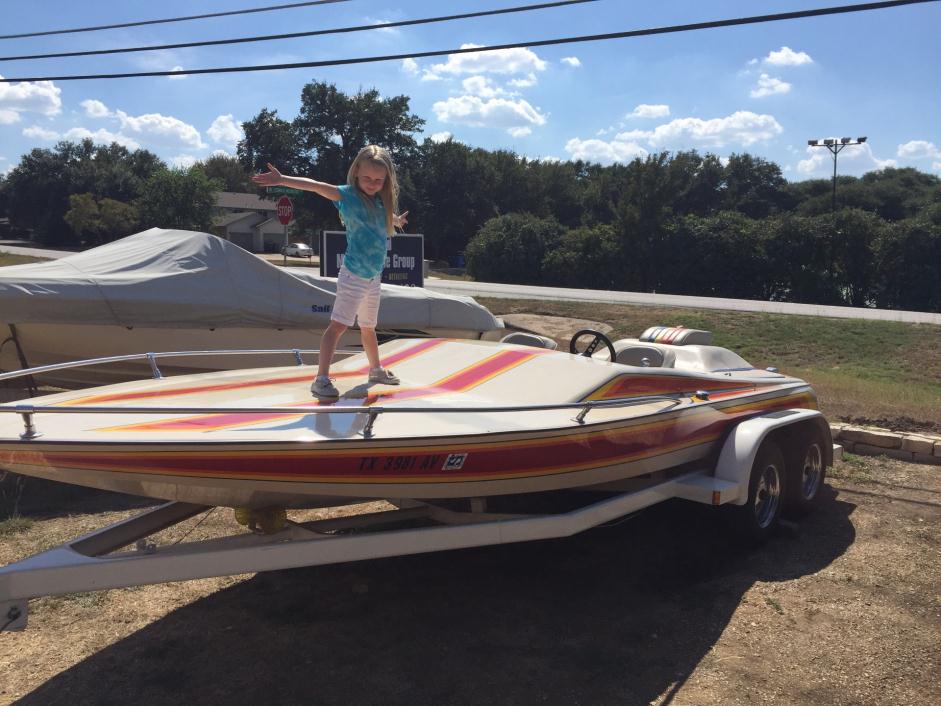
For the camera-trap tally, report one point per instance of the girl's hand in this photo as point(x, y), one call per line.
point(269, 178)
point(400, 220)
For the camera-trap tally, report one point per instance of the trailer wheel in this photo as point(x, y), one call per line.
point(757, 518)
point(806, 472)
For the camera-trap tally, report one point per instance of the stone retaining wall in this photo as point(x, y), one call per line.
point(873, 441)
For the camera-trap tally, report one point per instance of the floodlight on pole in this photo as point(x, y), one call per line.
point(835, 145)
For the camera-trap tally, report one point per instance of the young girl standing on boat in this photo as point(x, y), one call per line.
point(367, 204)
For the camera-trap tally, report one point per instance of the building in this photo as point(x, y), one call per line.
point(249, 221)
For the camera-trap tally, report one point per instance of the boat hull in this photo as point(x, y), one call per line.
point(325, 473)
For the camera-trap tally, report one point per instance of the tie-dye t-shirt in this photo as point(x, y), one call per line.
point(365, 232)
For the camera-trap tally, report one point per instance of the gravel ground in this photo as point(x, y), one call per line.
point(842, 608)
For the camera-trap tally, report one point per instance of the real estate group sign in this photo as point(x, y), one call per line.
point(404, 258)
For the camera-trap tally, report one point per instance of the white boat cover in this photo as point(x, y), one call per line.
point(187, 279)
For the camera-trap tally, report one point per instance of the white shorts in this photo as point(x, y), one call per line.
point(357, 298)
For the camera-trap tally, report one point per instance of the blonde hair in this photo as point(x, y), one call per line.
point(379, 157)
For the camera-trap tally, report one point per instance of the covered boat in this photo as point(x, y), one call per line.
point(180, 290)
point(470, 419)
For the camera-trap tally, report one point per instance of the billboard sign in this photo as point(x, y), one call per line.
point(404, 259)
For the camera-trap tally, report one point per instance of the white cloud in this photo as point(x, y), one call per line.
point(769, 86)
point(498, 61)
point(527, 82)
point(440, 136)
point(378, 24)
point(495, 112)
point(741, 128)
point(95, 109)
point(786, 56)
point(39, 97)
point(483, 87)
point(857, 159)
point(183, 161)
point(936, 166)
point(604, 152)
point(919, 149)
point(178, 77)
point(101, 136)
point(225, 131)
point(571, 61)
point(649, 111)
point(36, 132)
point(520, 131)
point(161, 128)
point(410, 66)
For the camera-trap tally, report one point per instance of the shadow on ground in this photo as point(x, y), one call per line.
point(620, 614)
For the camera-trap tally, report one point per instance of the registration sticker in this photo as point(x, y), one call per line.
point(454, 462)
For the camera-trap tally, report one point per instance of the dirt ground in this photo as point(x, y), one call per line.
point(841, 608)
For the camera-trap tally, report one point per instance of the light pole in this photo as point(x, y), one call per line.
point(835, 145)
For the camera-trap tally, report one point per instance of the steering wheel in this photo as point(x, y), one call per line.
point(598, 338)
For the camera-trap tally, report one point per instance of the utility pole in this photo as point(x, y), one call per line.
point(835, 145)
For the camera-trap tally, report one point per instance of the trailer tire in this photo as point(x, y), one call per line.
point(807, 469)
point(758, 517)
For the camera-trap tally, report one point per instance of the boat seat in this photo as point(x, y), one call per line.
point(677, 336)
point(641, 356)
point(522, 338)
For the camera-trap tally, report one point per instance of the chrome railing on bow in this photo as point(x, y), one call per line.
point(27, 411)
point(152, 359)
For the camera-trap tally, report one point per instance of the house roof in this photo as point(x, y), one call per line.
point(230, 218)
point(249, 202)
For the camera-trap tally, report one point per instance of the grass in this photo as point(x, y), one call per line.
point(14, 525)
point(882, 372)
point(7, 259)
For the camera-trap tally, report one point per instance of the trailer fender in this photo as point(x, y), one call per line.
point(742, 444)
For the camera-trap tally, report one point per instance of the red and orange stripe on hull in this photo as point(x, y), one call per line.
point(542, 454)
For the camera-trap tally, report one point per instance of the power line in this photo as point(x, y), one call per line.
point(516, 45)
point(170, 19)
point(295, 35)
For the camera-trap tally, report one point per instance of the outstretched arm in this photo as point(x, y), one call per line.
point(275, 178)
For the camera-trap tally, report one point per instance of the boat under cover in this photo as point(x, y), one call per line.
point(470, 419)
point(179, 290)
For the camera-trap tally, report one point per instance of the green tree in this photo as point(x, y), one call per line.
point(753, 186)
point(586, 257)
point(83, 217)
point(178, 198)
point(117, 219)
point(268, 138)
point(228, 171)
point(907, 258)
point(38, 188)
point(333, 127)
point(512, 248)
point(722, 255)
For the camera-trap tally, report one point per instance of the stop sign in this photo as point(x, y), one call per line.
point(285, 210)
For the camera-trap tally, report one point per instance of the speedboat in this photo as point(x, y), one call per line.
point(470, 419)
point(179, 290)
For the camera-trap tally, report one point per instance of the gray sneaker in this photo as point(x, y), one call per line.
point(324, 389)
point(383, 376)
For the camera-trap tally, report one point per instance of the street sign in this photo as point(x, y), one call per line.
point(285, 210)
point(283, 190)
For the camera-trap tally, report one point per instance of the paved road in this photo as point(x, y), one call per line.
point(517, 291)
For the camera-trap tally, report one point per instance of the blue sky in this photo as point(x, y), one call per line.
point(765, 89)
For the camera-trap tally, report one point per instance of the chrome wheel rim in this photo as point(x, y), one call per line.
point(812, 471)
point(768, 495)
